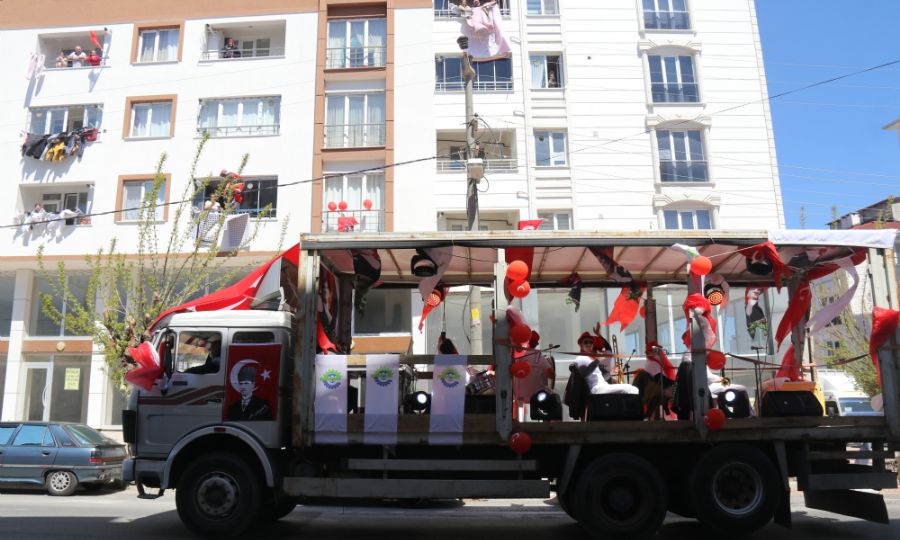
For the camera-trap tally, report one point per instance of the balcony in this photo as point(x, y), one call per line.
point(365, 221)
point(229, 42)
point(355, 57)
point(490, 165)
point(497, 148)
point(675, 93)
point(477, 86)
point(444, 8)
point(667, 20)
point(683, 171)
point(52, 45)
point(238, 54)
point(354, 136)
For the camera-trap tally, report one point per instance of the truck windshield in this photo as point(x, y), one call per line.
point(855, 405)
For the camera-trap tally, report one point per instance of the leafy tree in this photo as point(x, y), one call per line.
point(126, 291)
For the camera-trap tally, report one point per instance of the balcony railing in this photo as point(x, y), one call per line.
point(239, 131)
point(683, 171)
point(442, 9)
point(675, 93)
point(355, 57)
point(238, 54)
point(490, 165)
point(354, 135)
point(366, 221)
point(478, 86)
point(666, 20)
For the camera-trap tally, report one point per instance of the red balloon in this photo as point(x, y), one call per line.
point(519, 289)
point(517, 271)
point(332, 206)
point(714, 419)
point(520, 442)
point(342, 205)
point(520, 369)
point(700, 266)
point(715, 360)
point(520, 333)
point(367, 204)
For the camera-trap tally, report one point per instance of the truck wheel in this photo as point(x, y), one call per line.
point(735, 488)
point(566, 503)
point(279, 506)
point(218, 495)
point(60, 483)
point(622, 497)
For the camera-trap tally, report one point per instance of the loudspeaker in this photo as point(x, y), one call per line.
point(615, 407)
point(481, 404)
point(790, 403)
point(735, 403)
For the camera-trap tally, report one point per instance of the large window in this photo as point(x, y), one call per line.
point(258, 193)
point(681, 156)
point(41, 325)
point(157, 45)
point(666, 15)
point(550, 148)
point(495, 75)
point(543, 7)
point(237, 117)
point(51, 120)
point(672, 79)
point(7, 290)
point(687, 219)
point(546, 71)
point(354, 120)
point(151, 119)
point(555, 221)
point(354, 43)
point(138, 192)
point(355, 190)
point(387, 311)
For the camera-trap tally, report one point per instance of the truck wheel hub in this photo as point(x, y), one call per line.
point(737, 488)
point(217, 495)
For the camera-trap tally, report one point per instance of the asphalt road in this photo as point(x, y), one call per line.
point(33, 515)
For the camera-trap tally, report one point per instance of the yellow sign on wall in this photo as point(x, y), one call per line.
point(73, 378)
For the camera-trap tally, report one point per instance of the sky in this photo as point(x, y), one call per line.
point(832, 150)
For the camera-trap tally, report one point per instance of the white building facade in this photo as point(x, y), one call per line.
point(613, 115)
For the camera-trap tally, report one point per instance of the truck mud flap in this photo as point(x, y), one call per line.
point(847, 502)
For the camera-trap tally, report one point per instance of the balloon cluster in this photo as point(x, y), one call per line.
point(517, 273)
point(342, 206)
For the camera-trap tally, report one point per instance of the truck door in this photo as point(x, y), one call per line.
point(191, 397)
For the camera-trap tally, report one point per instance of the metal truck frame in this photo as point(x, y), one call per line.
point(616, 478)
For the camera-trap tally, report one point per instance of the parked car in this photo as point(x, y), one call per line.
point(60, 456)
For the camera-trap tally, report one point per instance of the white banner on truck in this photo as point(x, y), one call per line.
point(448, 399)
point(331, 399)
point(382, 398)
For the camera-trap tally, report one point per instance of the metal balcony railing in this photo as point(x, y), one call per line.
point(355, 57)
point(443, 8)
point(354, 135)
point(490, 165)
point(353, 221)
point(667, 20)
point(478, 86)
point(238, 54)
point(684, 171)
point(239, 131)
point(675, 93)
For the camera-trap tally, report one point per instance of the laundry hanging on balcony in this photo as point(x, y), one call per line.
point(59, 146)
point(483, 26)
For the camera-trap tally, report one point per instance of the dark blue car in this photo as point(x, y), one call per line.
point(58, 456)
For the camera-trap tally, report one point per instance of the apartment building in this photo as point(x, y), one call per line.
point(621, 114)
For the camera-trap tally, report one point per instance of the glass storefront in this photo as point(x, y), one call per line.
point(56, 387)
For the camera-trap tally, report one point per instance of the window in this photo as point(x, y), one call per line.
point(198, 352)
point(687, 219)
point(354, 120)
point(495, 75)
point(237, 117)
point(354, 43)
point(672, 79)
point(41, 325)
point(550, 148)
point(546, 71)
point(157, 45)
point(142, 193)
point(666, 15)
point(7, 289)
point(51, 120)
point(681, 157)
point(33, 436)
point(258, 193)
point(543, 7)
point(5, 433)
point(354, 189)
point(444, 8)
point(2, 392)
point(150, 118)
point(387, 311)
point(253, 337)
point(555, 221)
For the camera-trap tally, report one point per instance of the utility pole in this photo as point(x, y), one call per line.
point(474, 173)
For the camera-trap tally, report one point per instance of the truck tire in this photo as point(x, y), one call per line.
point(60, 483)
point(735, 488)
point(278, 506)
point(620, 497)
point(567, 503)
point(218, 496)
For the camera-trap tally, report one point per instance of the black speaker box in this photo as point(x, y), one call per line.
point(790, 403)
point(738, 407)
point(615, 407)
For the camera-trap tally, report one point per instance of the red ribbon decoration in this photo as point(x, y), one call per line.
point(148, 368)
point(768, 251)
point(625, 308)
point(798, 305)
point(322, 338)
point(884, 325)
point(698, 301)
point(659, 356)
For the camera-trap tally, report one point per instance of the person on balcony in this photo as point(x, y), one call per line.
point(61, 60)
point(77, 58)
point(231, 49)
point(94, 59)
